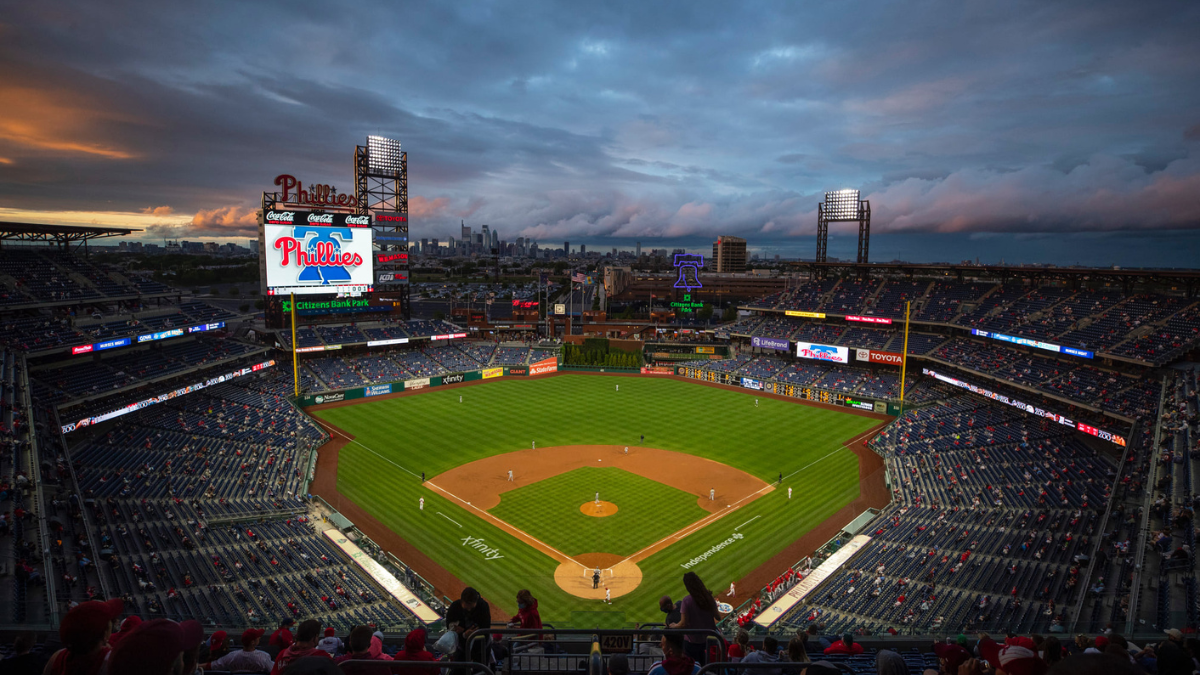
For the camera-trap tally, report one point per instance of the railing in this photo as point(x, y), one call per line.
point(597, 635)
point(1144, 527)
point(34, 466)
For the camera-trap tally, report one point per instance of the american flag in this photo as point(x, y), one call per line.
point(579, 278)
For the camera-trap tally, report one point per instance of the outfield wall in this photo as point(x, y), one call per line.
point(881, 406)
point(542, 367)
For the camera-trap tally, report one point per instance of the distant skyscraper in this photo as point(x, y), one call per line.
point(639, 249)
point(729, 254)
point(495, 239)
point(466, 231)
point(424, 246)
point(486, 239)
point(583, 249)
point(566, 248)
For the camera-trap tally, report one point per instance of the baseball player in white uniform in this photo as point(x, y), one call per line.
point(618, 387)
point(607, 595)
point(510, 475)
point(627, 449)
point(789, 493)
point(712, 494)
point(460, 398)
point(422, 503)
point(731, 591)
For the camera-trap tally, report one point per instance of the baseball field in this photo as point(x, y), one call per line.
point(700, 492)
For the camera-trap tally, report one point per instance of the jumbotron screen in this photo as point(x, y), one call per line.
point(309, 253)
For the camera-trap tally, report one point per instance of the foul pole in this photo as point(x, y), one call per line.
point(295, 363)
point(904, 356)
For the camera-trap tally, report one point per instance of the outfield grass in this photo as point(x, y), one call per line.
point(399, 438)
point(647, 511)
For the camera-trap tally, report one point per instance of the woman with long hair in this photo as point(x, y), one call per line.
point(698, 611)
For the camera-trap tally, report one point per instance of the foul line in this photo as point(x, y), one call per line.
point(449, 518)
point(504, 525)
point(845, 446)
point(747, 523)
point(335, 430)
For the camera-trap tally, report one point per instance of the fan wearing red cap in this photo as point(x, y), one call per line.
point(84, 631)
point(249, 658)
point(414, 650)
point(127, 625)
point(331, 643)
point(155, 648)
point(1018, 656)
point(305, 645)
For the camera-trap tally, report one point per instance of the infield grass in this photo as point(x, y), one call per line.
point(647, 511)
point(397, 439)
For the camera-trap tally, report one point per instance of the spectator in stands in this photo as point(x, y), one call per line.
point(377, 647)
point(466, 615)
point(528, 617)
point(951, 656)
point(1016, 656)
point(740, 647)
point(331, 642)
point(23, 661)
point(1052, 651)
point(1094, 664)
point(798, 649)
point(671, 609)
point(618, 664)
point(248, 658)
point(1173, 659)
point(813, 634)
point(127, 625)
point(282, 638)
point(674, 660)
point(768, 654)
point(888, 662)
point(846, 645)
point(414, 650)
point(155, 648)
point(305, 645)
point(698, 611)
point(193, 634)
point(218, 645)
point(84, 631)
point(359, 646)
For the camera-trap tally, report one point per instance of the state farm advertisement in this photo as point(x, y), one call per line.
point(872, 356)
point(544, 366)
point(312, 257)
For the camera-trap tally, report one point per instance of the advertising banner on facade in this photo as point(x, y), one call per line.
point(658, 370)
point(873, 356)
point(489, 373)
point(811, 350)
point(751, 383)
point(544, 366)
point(516, 370)
point(806, 315)
point(419, 383)
point(377, 390)
point(771, 343)
point(383, 577)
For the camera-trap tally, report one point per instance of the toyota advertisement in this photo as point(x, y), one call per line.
point(809, 350)
point(309, 253)
point(873, 356)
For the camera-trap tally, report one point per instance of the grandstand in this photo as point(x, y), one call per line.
point(196, 504)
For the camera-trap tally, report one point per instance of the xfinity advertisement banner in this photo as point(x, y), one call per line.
point(771, 343)
point(305, 256)
point(810, 350)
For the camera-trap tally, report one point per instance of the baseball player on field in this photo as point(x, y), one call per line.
point(510, 475)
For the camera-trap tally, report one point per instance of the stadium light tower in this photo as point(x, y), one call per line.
point(381, 191)
point(843, 206)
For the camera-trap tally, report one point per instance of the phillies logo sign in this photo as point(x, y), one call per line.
point(292, 191)
point(318, 252)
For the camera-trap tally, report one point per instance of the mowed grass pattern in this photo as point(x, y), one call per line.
point(433, 432)
point(647, 511)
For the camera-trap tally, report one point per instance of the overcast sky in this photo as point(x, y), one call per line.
point(608, 123)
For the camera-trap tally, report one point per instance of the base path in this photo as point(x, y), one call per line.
point(479, 484)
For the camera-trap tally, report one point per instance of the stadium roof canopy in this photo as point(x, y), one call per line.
point(62, 235)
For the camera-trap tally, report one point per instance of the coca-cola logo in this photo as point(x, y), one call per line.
point(326, 218)
point(359, 221)
point(281, 216)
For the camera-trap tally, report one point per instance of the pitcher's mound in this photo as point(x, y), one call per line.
point(577, 580)
point(598, 509)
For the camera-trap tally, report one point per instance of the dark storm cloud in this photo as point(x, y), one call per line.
point(592, 120)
